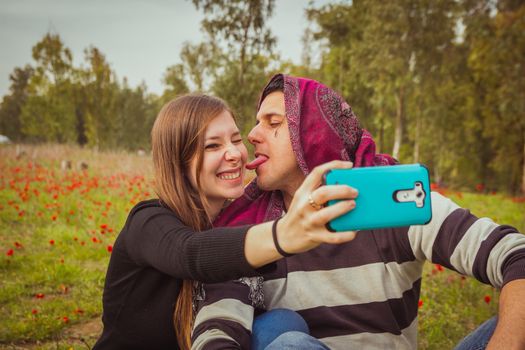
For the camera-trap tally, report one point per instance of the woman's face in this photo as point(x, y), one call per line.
point(222, 173)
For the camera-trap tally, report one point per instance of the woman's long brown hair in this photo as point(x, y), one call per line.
point(177, 138)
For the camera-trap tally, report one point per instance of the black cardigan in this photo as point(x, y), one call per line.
point(152, 254)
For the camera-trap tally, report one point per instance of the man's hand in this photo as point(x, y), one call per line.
point(510, 330)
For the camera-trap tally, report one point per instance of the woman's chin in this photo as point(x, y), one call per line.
point(234, 194)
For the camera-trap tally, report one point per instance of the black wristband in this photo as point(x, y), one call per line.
point(276, 243)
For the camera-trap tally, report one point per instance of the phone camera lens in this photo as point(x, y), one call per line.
point(419, 194)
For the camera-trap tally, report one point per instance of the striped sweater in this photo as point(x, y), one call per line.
point(363, 293)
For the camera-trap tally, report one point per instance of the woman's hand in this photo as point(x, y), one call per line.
point(304, 225)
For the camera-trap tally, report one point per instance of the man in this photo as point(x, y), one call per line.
point(363, 293)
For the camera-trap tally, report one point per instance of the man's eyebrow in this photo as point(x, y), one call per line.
point(269, 115)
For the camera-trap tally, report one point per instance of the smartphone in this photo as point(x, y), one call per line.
point(389, 196)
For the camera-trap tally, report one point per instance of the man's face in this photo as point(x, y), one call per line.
point(277, 167)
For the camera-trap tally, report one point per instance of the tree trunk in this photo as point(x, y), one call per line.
point(416, 138)
point(381, 136)
point(399, 124)
point(341, 71)
point(523, 170)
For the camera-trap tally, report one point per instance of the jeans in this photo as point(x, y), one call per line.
point(283, 329)
point(479, 338)
point(286, 329)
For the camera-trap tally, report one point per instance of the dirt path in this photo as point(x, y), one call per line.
point(81, 335)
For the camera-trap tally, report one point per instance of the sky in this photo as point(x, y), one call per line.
point(140, 38)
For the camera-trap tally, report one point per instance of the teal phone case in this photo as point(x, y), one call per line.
point(389, 196)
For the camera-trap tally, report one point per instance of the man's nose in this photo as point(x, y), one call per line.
point(253, 136)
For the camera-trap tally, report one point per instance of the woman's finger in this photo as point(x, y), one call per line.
point(333, 237)
point(331, 192)
point(326, 214)
point(313, 180)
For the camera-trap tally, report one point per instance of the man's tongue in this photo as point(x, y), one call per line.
point(256, 162)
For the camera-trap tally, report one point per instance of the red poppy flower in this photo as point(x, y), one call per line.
point(39, 295)
point(65, 319)
point(439, 268)
point(420, 303)
point(52, 241)
point(54, 217)
point(34, 311)
point(487, 299)
point(10, 252)
point(104, 226)
point(94, 239)
point(18, 245)
point(109, 248)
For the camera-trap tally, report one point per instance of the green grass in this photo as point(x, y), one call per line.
point(94, 205)
point(453, 306)
point(57, 230)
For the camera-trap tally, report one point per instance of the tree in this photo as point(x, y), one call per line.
point(242, 46)
point(174, 82)
point(49, 112)
point(11, 107)
point(497, 61)
point(100, 92)
point(135, 112)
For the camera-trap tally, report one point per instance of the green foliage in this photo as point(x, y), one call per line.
point(435, 82)
point(11, 106)
point(237, 54)
point(49, 112)
point(175, 83)
point(57, 102)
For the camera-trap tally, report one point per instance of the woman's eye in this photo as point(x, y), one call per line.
point(275, 124)
point(212, 146)
point(237, 141)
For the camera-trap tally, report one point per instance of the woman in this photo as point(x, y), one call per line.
point(167, 243)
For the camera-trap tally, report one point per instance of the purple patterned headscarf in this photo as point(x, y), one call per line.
point(323, 128)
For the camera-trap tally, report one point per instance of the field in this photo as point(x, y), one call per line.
point(57, 227)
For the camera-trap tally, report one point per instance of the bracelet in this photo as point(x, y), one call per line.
point(276, 243)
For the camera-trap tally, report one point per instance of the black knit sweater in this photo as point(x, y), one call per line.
point(152, 254)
